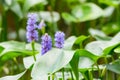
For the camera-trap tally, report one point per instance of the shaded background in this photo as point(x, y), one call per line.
point(74, 17)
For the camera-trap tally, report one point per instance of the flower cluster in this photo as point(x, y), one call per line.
point(46, 43)
point(32, 33)
point(59, 39)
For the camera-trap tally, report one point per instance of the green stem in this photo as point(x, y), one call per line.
point(71, 74)
point(53, 76)
point(90, 75)
point(85, 78)
point(33, 49)
point(98, 69)
point(103, 72)
point(63, 74)
point(48, 77)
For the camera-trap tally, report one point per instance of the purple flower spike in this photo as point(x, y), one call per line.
point(41, 24)
point(59, 39)
point(31, 34)
point(46, 43)
point(32, 18)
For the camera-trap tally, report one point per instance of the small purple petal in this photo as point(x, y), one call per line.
point(41, 24)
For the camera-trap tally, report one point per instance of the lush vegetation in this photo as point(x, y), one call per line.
point(90, 51)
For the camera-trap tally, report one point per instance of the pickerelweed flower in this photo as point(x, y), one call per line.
point(31, 33)
point(41, 24)
point(46, 43)
point(59, 39)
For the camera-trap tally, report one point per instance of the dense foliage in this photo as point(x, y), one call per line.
point(62, 40)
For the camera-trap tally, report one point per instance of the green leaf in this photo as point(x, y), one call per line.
point(79, 41)
point(87, 11)
point(30, 3)
point(116, 38)
point(97, 47)
point(51, 62)
point(108, 11)
point(114, 67)
point(114, 3)
point(114, 28)
point(15, 7)
point(68, 17)
point(117, 50)
point(14, 77)
point(8, 2)
point(49, 16)
point(85, 53)
point(110, 49)
point(98, 35)
point(82, 55)
point(69, 42)
point(103, 47)
point(13, 49)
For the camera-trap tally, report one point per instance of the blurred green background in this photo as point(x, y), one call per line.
point(74, 17)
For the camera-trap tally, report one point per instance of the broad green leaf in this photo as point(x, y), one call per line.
point(110, 49)
point(43, 77)
point(114, 3)
point(97, 47)
point(49, 16)
point(68, 17)
point(13, 49)
point(30, 3)
point(69, 42)
point(98, 35)
point(85, 53)
point(114, 28)
point(14, 77)
point(103, 47)
point(80, 59)
point(114, 67)
point(87, 11)
point(79, 41)
point(51, 62)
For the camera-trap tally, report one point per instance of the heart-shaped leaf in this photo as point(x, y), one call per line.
point(51, 62)
point(87, 11)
